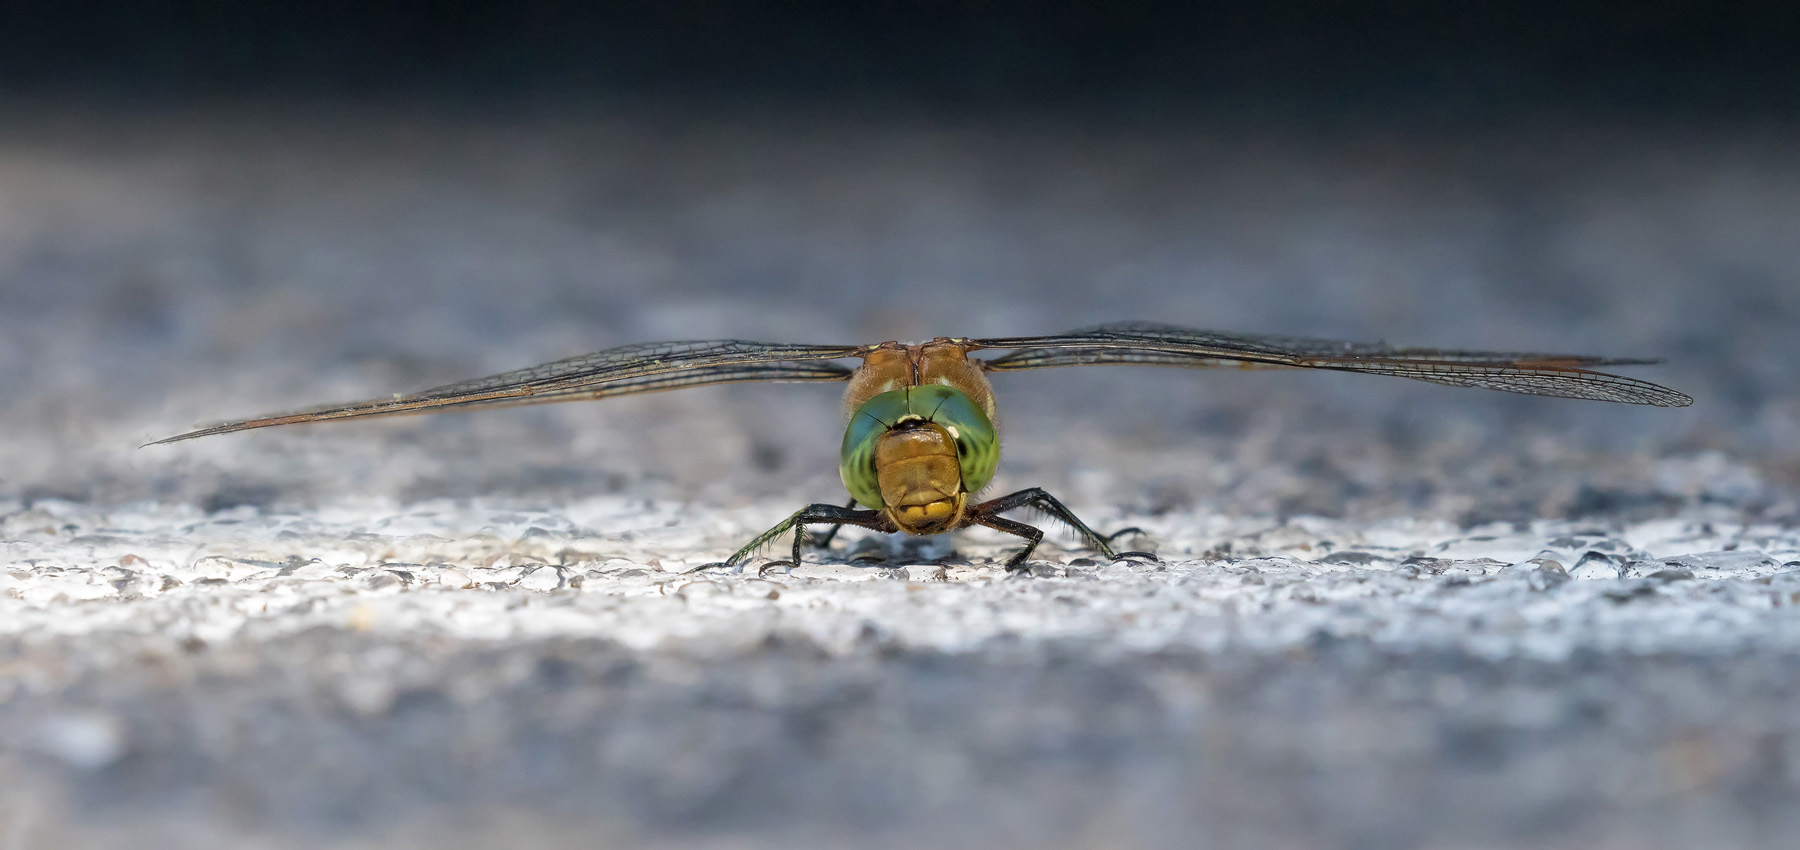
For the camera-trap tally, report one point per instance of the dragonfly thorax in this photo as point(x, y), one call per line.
point(917, 453)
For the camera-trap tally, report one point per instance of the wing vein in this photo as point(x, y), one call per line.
point(627, 370)
point(1151, 344)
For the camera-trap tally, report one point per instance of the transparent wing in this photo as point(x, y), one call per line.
point(1152, 344)
point(627, 370)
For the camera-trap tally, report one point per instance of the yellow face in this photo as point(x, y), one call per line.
point(919, 479)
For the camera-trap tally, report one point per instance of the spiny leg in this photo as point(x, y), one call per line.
point(1031, 533)
point(1130, 529)
point(1037, 497)
point(821, 541)
point(838, 517)
point(811, 514)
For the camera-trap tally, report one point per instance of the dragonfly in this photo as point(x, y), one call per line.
point(920, 443)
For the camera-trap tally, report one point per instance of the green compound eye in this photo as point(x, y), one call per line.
point(977, 444)
point(856, 461)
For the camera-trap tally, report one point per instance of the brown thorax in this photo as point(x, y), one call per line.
point(892, 365)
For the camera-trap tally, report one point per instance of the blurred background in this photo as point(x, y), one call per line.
point(208, 211)
point(213, 210)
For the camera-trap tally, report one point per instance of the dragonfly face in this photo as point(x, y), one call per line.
point(918, 452)
point(921, 438)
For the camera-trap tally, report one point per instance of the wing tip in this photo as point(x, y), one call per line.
point(193, 435)
point(221, 428)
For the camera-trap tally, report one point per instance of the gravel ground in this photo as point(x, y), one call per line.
point(1387, 614)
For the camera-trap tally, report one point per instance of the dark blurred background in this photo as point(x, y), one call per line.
point(1279, 56)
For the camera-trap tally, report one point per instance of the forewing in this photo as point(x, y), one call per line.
point(627, 370)
point(1151, 344)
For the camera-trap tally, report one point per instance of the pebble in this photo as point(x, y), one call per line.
point(543, 578)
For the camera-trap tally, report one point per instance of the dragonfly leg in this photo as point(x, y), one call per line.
point(1037, 497)
point(1130, 529)
point(821, 541)
point(817, 514)
point(1031, 533)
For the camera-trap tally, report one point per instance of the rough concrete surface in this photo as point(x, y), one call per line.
point(1386, 615)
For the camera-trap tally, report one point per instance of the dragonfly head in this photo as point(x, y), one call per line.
point(917, 453)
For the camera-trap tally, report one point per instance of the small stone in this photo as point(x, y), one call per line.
point(1545, 574)
point(1595, 565)
point(1421, 565)
point(313, 570)
point(1473, 569)
point(1726, 562)
point(542, 579)
point(925, 572)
